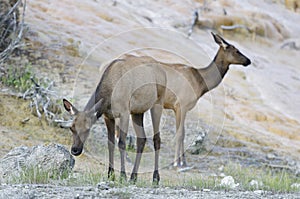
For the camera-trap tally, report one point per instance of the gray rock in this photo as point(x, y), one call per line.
point(271, 156)
point(197, 147)
point(103, 186)
point(53, 159)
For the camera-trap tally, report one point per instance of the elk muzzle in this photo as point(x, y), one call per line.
point(247, 62)
point(76, 150)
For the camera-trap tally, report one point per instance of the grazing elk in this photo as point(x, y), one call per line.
point(127, 86)
point(186, 85)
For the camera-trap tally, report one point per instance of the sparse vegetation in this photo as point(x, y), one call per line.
point(43, 100)
point(34, 175)
point(18, 77)
point(268, 179)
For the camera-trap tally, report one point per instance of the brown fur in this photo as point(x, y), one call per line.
point(185, 85)
point(126, 87)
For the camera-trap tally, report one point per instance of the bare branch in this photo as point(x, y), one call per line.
point(63, 123)
point(194, 22)
point(235, 27)
point(14, 30)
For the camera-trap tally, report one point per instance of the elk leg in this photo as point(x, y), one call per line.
point(110, 125)
point(156, 112)
point(179, 150)
point(140, 142)
point(182, 154)
point(122, 129)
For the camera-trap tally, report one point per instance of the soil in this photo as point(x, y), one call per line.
point(50, 191)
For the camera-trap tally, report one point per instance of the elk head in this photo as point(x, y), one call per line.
point(81, 125)
point(230, 54)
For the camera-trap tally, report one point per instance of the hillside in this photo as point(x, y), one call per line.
point(251, 119)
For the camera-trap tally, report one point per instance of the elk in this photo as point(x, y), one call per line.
point(186, 85)
point(126, 87)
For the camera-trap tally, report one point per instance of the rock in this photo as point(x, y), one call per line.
point(228, 182)
point(103, 186)
point(295, 186)
point(271, 156)
point(53, 159)
point(267, 149)
point(184, 169)
point(259, 192)
point(221, 168)
point(255, 184)
point(197, 147)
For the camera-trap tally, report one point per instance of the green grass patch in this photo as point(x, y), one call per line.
point(87, 178)
point(278, 181)
point(18, 77)
point(195, 183)
point(268, 179)
point(35, 175)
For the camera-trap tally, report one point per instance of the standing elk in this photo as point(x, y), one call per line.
point(186, 85)
point(126, 87)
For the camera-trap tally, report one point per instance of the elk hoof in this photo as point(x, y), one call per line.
point(111, 174)
point(175, 165)
point(133, 178)
point(178, 165)
point(183, 164)
point(156, 178)
point(123, 177)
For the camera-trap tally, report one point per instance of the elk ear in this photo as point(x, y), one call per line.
point(97, 107)
point(219, 40)
point(69, 107)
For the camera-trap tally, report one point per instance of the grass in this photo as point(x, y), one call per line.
point(18, 77)
point(34, 175)
point(268, 180)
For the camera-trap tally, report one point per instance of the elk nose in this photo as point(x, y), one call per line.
point(76, 151)
point(248, 62)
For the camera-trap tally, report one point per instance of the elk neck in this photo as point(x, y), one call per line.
point(212, 75)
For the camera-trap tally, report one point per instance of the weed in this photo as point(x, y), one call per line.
point(268, 179)
point(87, 178)
point(35, 175)
point(20, 78)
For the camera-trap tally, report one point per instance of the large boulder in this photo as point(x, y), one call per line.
point(53, 159)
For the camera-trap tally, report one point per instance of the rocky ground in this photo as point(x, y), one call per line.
point(49, 191)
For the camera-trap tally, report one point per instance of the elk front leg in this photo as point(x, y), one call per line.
point(156, 112)
point(110, 125)
point(180, 133)
point(140, 142)
point(122, 129)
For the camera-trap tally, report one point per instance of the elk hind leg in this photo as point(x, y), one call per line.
point(140, 142)
point(156, 112)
